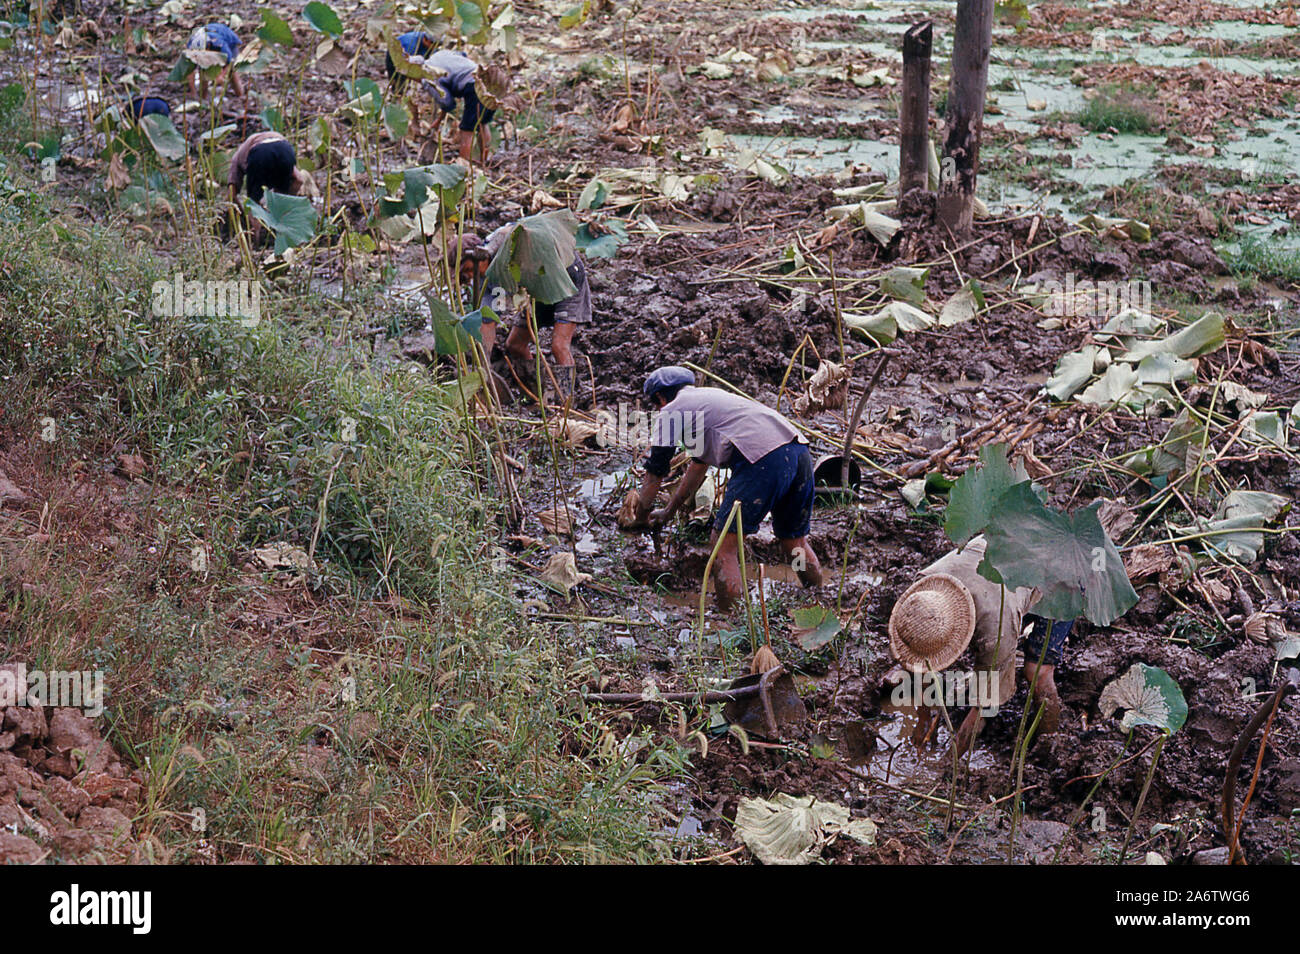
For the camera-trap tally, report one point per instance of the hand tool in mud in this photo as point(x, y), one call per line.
point(759, 704)
point(627, 522)
point(856, 418)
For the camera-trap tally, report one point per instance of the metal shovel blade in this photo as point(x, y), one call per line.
point(775, 705)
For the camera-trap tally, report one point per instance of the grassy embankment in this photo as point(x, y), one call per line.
point(390, 706)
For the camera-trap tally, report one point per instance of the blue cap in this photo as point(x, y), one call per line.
point(670, 376)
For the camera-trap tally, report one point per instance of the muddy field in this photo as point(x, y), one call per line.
point(734, 267)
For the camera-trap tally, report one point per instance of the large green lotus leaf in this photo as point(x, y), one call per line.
point(1266, 427)
point(446, 182)
point(1176, 453)
point(322, 19)
point(396, 120)
point(1073, 371)
point(462, 389)
point(891, 320)
point(1128, 326)
point(881, 327)
point(291, 217)
point(605, 245)
point(1117, 384)
point(452, 334)
point(977, 491)
point(815, 626)
point(274, 30)
point(909, 318)
point(1235, 532)
point(593, 195)
point(472, 19)
point(965, 304)
point(1068, 557)
point(1165, 368)
point(181, 71)
point(162, 135)
point(536, 255)
point(1148, 696)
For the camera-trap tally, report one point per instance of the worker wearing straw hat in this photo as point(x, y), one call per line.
point(950, 606)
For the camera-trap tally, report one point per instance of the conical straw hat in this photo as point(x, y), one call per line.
point(932, 623)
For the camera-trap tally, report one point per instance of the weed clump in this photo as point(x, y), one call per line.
point(1121, 111)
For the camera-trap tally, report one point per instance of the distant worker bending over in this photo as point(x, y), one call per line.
point(265, 161)
point(220, 39)
point(459, 83)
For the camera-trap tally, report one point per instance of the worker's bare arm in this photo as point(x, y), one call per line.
point(650, 485)
point(696, 471)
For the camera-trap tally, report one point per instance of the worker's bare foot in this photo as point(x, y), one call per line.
point(925, 723)
point(967, 731)
point(1051, 702)
point(726, 575)
point(803, 560)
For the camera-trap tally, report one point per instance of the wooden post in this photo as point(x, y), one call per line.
point(964, 114)
point(914, 109)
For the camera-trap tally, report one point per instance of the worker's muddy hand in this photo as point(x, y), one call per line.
point(632, 515)
point(658, 518)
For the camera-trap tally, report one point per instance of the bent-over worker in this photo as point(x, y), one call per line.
point(771, 471)
point(937, 617)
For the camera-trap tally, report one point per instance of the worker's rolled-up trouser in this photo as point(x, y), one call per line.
point(779, 483)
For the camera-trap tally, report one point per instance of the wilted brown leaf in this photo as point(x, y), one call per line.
point(562, 573)
point(828, 389)
point(118, 177)
point(556, 520)
point(1149, 559)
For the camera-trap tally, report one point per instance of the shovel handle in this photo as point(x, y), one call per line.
point(857, 414)
point(717, 695)
point(759, 688)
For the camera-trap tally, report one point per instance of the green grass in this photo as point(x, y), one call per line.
point(1255, 257)
point(1118, 110)
point(392, 705)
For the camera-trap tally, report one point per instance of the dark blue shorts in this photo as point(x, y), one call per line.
point(1055, 640)
point(270, 166)
point(142, 106)
point(780, 483)
point(476, 114)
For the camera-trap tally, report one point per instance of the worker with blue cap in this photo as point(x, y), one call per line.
point(771, 471)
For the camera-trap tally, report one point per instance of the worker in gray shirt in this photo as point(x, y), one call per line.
point(458, 83)
point(771, 471)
